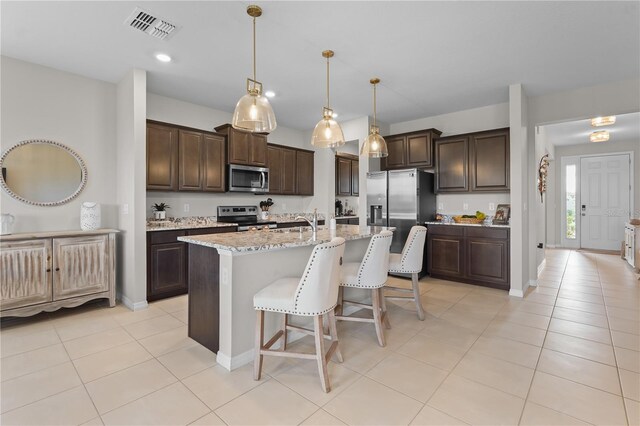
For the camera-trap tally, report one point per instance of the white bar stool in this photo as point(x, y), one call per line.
point(313, 295)
point(410, 262)
point(370, 274)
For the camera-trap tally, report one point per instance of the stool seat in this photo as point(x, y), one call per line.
point(279, 296)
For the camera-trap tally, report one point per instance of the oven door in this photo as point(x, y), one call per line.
point(248, 179)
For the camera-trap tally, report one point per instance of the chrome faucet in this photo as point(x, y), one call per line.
point(313, 223)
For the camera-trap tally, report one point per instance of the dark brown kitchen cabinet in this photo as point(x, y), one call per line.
point(470, 254)
point(214, 163)
point(289, 171)
point(162, 157)
point(190, 160)
point(286, 175)
point(452, 164)
point(274, 163)
point(489, 161)
point(304, 172)
point(245, 148)
point(414, 149)
point(347, 178)
point(347, 221)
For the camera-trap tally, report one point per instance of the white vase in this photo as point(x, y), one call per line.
point(264, 215)
point(90, 216)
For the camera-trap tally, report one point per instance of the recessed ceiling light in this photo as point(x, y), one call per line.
point(603, 121)
point(599, 136)
point(163, 57)
point(269, 93)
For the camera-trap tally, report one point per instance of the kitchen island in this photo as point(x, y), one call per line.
point(226, 270)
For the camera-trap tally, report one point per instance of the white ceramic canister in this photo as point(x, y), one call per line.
point(90, 216)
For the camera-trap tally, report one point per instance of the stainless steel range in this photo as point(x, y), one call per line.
point(245, 216)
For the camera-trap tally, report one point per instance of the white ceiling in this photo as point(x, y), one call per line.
point(432, 57)
point(626, 128)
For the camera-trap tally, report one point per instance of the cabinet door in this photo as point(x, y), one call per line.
point(355, 177)
point(25, 273)
point(213, 163)
point(168, 270)
point(451, 162)
point(162, 157)
point(274, 163)
point(190, 164)
point(304, 172)
point(288, 182)
point(397, 152)
point(239, 146)
point(258, 150)
point(446, 255)
point(80, 266)
point(420, 150)
point(487, 261)
point(343, 176)
point(489, 161)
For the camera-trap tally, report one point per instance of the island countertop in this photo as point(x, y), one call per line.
point(267, 240)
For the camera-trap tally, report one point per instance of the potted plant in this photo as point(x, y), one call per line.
point(264, 206)
point(160, 211)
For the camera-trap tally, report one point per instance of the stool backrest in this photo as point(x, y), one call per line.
point(317, 291)
point(413, 249)
point(375, 264)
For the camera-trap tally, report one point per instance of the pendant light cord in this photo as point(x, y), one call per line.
point(328, 104)
point(254, 49)
point(374, 104)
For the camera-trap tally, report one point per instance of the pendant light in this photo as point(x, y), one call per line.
point(253, 112)
point(374, 145)
point(327, 133)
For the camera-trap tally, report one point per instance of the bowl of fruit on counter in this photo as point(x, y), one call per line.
point(476, 219)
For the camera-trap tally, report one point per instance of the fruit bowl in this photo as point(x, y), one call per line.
point(471, 220)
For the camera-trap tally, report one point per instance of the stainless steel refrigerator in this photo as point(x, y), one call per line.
point(400, 198)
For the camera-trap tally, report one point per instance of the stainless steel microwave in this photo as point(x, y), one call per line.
point(248, 179)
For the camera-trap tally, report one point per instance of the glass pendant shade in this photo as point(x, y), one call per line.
point(374, 145)
point(327, 133)
point(253, 113)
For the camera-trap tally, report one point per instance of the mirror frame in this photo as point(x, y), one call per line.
point(83, 169)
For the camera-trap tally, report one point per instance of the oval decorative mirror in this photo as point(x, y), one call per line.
point(42, 172)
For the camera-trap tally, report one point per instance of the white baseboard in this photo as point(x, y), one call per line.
point(541, 267)
point(516, 292)
point(532, 283)
point(134, 306)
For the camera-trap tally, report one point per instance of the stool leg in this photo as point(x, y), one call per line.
point(257, 361)
point(322, 362)
point(333, 332)
point(416, 295)
point(377, 315)
point(285, 322)
point(340, 306)
point(383, 304)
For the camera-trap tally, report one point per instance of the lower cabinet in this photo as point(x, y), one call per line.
point(469, 254)
point(348, 221)
point(44, 273)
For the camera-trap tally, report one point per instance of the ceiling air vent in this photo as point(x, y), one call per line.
point(151, 25)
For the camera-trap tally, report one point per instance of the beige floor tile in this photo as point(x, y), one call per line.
point(367, 402)
point(593, 308)
point(429, 416)
point(537, 415)
point(69, 407)
point(630, 384)
point(544, 299)
point(507, 350)
point(80, 327)
point(577, 400)
point(579, 288)
point(173, 405)
point(408, 376)
point(169, 341)
point(626, 340)
point(129, 317)
point(475, 403)
point(432, 351)
point(515, 304)
point(499, 374)
point(216, 386)
point(581, 317)
point(118, 389)
point(624, 325)
point(172, 304)
point(185, 362)
point(448, 292)
point(209, 420)
point(525, 318)
point(452, 334)
point(32, 387)
point(17, 343)
point(584, 331)
point(548, 283)
point(629, 314)
point(520, 333)
point(96, 421)
point(460, 315)
point(628, 359)
point(270, 403)
point(633, 411)
point(590, 373)
point(615, 302)
point(578, 295)
point(181, 315)
point(583, 348)
point(98, 342)
point(29, 362)
point(94, 366)
point(360, 355)
point(146, 328)
point(394, 338)
point(322, 418)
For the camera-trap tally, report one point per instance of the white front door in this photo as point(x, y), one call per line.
point(604, 201)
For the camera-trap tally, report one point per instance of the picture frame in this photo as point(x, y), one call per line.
point(503, 213)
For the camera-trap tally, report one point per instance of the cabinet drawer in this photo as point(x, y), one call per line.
point(457, 231)
point(215, 230)
point(494, 233)
point(159, 237)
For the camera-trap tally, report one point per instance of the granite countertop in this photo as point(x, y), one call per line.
point(266, 240)
point(482, 225)
point(347, 217)
point(195, 222)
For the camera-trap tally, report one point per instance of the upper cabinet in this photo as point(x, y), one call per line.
point(347, 179)
point(184, 159)
point(304, 172)
point(413, 149)
point(473, 162)
point(290, 170)
point(245, 148)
